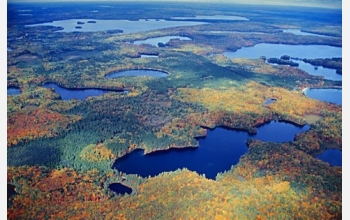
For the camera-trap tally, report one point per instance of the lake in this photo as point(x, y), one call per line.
point(11, 190)
point(331, 156)
point(299, 32)
point(213, 17)
point(155, 40)
point(295, 51)
point(148, 56)
point(81, 94)
point(126, 26)
point(327, 95)
point(141, 72)
point(217, 152)
point(13, 91)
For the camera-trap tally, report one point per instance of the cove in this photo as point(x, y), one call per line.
point(326, 95)
point(81, 94)
point(119, 188)
point(155, 40)
point(331, 156)
point(217, 152)
point(141, 72)
point(13, 91)
point(295, 51)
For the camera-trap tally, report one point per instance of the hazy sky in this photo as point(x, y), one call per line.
point(314, 3)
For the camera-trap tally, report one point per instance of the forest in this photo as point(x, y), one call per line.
point(60, 152)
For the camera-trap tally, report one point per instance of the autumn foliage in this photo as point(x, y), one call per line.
point(97, 152)
point(31, 124)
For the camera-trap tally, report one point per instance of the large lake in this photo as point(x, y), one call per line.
point(217, 152)
point(214, 17)
point(296, 51)
point(126, 25)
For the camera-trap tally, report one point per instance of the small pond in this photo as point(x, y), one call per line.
point(120, 188)
point(327, 95)
point(269, 101)
point(331, 156)
point(13, 91)
point(148, 56)
point(155, 40)
point(141, 72)
point(81, 94)
point(217, 152)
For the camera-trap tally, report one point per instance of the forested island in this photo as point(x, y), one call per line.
point(69, 121)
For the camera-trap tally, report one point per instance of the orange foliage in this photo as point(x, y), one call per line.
point(31, 124)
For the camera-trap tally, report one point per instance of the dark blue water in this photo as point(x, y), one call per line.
point(81, 94)
point(151, 73)
point(120, 188)
point(327, 95)
point(332, 156)
point(217, 152)
point(13, 91)
point(11, 191)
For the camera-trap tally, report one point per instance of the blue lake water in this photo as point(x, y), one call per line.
point(155, 40)
point(81, 94)
point(13, 91)
point(296, 51)
point(120, 188)
point(126, 25)
point(299, 32)
point(269, 101)
point(331, 156)
point(213, 17)
point(150, 73)
point(327, 95)
point(319, 71)
point(217, 152)
point(148, 56)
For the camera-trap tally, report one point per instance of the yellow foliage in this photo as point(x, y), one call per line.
point(251, 98)
point(95, 153)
